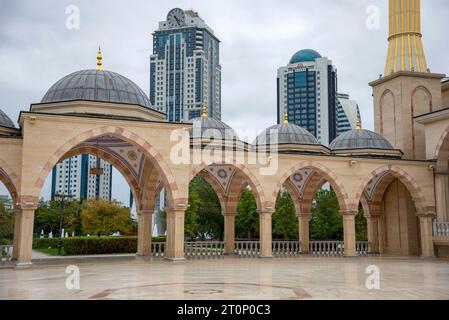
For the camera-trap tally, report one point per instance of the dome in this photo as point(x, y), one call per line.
point(305, 55)
point(287, 134)
point(209, 127)
point(360, 139)
point(5, 121)
point(96, 85)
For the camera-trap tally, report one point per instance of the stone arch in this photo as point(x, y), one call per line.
point(324, 172)
point(156, 158)
point(10, 179)
point(394, 172)
point(250, 178)
point(216, 187)
point(442, 152)
point(387, 113)
point(421, 103)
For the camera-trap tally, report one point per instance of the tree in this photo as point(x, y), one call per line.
point(327, 223)
point(247, 219)
point(191, 215)
point(6, 223)
point(285, 222)
point(103, 217)
point(361, 232)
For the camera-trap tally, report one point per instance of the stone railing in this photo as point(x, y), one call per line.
point(285, 248)
point(328, 248)
point(157, 249)
point(247, 248)
point(203, 248)
point(441, 229)
point(361, 247)
point(6, 255)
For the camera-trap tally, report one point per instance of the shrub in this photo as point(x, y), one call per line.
point(44, 243)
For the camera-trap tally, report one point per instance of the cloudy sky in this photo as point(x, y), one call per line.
point(257, 37)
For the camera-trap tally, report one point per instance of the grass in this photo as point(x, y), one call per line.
point(50, 251)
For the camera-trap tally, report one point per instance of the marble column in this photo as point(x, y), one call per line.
point(381, 233)
point(174, 249)
point(372, 223)
point(265, 229)
point(25, 236)
point(349, 232)
point(304, 233)
point(16, 245)
point(442, 196)
point(144, 233)
point(425, 224)
point(229, 233)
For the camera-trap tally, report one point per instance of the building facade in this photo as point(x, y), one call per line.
point(72, 176)
point(347, 114)
point(307, 92)
point(185, 71)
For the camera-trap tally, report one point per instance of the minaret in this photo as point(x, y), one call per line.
point(407, 89)
point(405, 49)
point(99, 60)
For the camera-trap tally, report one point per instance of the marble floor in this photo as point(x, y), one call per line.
point(231, 278)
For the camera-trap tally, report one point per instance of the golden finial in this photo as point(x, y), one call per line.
point(204, 111)
point(358, 125)
point(286, 118)
point(99, 59)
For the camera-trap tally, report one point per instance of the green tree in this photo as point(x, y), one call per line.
point(48, 214)
point(247, 219)
point(191, 215)
point(327, 222)
point(102, 217)
point(285, 222)
point(6, 223)
point(361, 232)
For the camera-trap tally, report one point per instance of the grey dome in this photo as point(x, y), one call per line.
point(210, 127)
point(95, 85)
point(360, 139)
point(5, 121)
point(288, 133)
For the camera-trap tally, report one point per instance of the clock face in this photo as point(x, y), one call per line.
point(176, 18)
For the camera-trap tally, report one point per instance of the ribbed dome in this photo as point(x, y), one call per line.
point(5, 121)
point(205, 127)
point(305, 55)
point(95, 85)
point(288, 133)
point(360, 139)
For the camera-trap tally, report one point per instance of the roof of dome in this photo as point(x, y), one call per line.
point(360, 139)
point(305, 56)
point(96, 85)
point(288, 133)
point(209, 127)
point(5, 121)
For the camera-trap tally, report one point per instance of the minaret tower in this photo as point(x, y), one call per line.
point(407, 88)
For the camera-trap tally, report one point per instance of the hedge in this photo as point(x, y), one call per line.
point(92, 245)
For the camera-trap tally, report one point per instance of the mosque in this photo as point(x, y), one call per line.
point(398, 173)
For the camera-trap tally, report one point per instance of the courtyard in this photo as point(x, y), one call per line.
point(303, 278)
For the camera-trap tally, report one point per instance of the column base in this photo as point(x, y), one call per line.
point(350, 255)
point(23, 265)
point(428, 257)
point(265, 257)
point(174, 259)
point(143, 254)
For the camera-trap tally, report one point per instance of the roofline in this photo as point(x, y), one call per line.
point(407, 74)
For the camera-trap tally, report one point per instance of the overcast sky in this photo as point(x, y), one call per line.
point(257, 37)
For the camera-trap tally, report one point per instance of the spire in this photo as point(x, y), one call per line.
point(405, 49)
point(285, 118)
point(203, 111)
point(99, 60)
point(358, 125)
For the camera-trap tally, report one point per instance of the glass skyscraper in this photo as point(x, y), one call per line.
point(347, 113)
point(185, 72)
point(307, 92)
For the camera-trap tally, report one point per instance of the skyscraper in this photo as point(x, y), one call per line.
point(347, 113)
point(185, 71)
point(307, 92)
point(72, 176)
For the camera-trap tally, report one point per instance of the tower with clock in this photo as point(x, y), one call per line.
point(185, 71)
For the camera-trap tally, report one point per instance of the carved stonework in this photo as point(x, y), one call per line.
point(371, 186)
point(299, 179)
point(222, 174)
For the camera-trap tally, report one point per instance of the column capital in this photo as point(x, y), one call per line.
point(348, 212)
point(25, 206)
point(269, 211)
point(304, 215)
point(426, 214)
point(229, 214)
point(176, 209)
point(145, 212)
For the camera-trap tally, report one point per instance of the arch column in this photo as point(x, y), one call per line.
point(145, 220)
point(265, 230)
point(23, 242)
point(349, 232)
point(304, 232)
point(175, 234)
point(372, 224)
point(425, 225)
point(442, 196)
point(229, 233)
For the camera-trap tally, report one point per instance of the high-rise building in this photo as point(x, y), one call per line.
point(185, 71)
point(73, 176)
point(347, 113)
point(307, 92)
